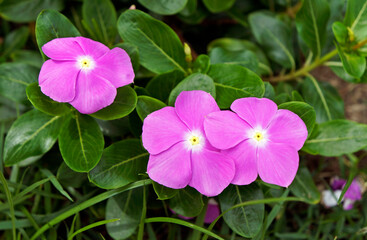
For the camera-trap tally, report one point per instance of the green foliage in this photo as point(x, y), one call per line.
point(216, 6)
point(304, 187)
point(187, 202)
point(147, 105)
point(164, 7)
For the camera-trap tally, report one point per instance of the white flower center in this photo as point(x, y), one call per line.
point(194, 141)
point(85, 63)
point(258, 136)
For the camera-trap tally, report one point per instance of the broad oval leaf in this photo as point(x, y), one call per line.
point(160, 49)
point(15, 40)
point(233, 82)
point(164, 193)
point(337, 137)
point(44, 103)
point(14, 79)
point(123, 105)
point(164, 7)
point(304, 111)
point(30, 57)
point(196, 81)
point(304, 187)
point(51, 24)
point(323, 98)
point(311, 21)
point(246, 220)
point(216, 6)
point(187, 202)
point(273, 35)
point(147, 105)
point(32, 135)
point(353, 63)
point(201, 64)
point(99, 19)
point(127, 207)
point(81, 143)
point(120, 164)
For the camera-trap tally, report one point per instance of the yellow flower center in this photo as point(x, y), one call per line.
point(194, 140)
point(85, 63)
point(258, 136)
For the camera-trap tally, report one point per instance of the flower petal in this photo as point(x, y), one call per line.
point(116, 67)
point(171, 168)
point(225, 129)
point(92, 93)
point(212, 172)
point(193, 106)
point(212, 212)
point(277, 163)
point(288, 128)
point(354, 191)
point(244, 156)
point(162, 129)
point(63, 49)
point(258, 112)
point(92, 48)
point(57, 80)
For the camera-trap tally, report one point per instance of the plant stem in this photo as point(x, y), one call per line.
point(200, 221)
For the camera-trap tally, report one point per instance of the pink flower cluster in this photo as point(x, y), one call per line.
point(196, 144)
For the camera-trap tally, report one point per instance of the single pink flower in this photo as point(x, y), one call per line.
point(353, 194)
point(260, 138)
point(84, 73)
point(180, 155)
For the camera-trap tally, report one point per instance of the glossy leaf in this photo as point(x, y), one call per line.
point(161, 86)
point(246, 221)
point(127, 207)
point(29, 57)
point(164, 193)
point(15, 40)
point(233, 82)
point(201, 64)
point(353, 63)
point(81, 143)
point(340, 32)
point(337, 137)
point(216, 6)
point(273, 35)
point(159, 47)
point(323, 98)
point(121, 163)
point(32, 135)
point(122, 106)
point(14, 79)
point(187, 202)
point(147, 105)
point(311, 21)
point(27, 10)
point(43, 102)
point(51, 24)
point(304, 111)
point(304, 187)
point(355, 18)
point(164, 7)
point(99, 19)
point(196, 81)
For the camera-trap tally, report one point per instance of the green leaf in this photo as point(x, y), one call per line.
point(120, 164)
point(44, 103)
point(245, 220)
point(273, 35)
point(311, 21)
point(233, 82)
point(51, 24)
point(304, 111)
point(337, 137)
point(69, 178)
point(161, 86)
point(126, 206)
point(196, 81)
point(323, 98)
point(133, 53)
point(201, 64)
point(122, 106)
point(159, 47)
point(164, 7)
point(187, 202)
point(81, 143)
point(27, 10)
point(269, 91)
point(163, 192)
point(14, 79)
point(15, 40)
point(99, 19)
point(33, 134)
point(304, 187)
point(146, 105)
point(340, 32)
point(29, 57)
point(355, 18)
point(353, 63)
point(216, 6)
point(56, 183)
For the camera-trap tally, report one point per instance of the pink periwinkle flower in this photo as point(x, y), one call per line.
point(260, 138)
point(180, 154)
point(84, 73)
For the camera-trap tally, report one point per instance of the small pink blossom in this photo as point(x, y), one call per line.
point(84, 73)
point(180, 154)
point(260, 138)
